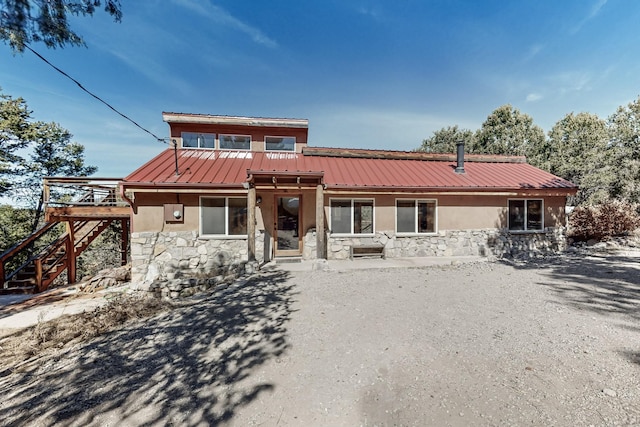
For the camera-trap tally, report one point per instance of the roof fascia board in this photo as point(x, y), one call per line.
point(234, 120)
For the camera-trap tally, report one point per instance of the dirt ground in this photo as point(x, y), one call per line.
point(555, 342)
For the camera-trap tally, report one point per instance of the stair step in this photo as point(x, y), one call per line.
point(18, 290)
point(22, 282)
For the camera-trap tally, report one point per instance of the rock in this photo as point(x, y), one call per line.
point(609, 392)
point(320, 265)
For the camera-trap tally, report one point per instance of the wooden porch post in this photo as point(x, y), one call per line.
point(124, 241)
point(320, 252)
point(251, 223)
point(71, 253)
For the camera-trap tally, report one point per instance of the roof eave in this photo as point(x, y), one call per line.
point(234, 120)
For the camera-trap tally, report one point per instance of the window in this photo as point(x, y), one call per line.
point(235, 142)
point(198, 140)
point(525, 215)
point(223, 216)
point(285, 143)
point(352, 216)
point(415, 216)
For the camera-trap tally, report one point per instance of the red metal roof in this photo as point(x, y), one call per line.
point(212, 168)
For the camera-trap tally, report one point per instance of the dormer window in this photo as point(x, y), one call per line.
point(198, 140)
point(280, 143)
point(235, 142)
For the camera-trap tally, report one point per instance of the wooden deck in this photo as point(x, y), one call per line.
point(87, 206)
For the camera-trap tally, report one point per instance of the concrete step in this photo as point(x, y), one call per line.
point(287, 259)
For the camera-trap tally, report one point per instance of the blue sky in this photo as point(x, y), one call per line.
point(367, 74)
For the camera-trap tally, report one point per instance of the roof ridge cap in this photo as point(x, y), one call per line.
point(407, 155)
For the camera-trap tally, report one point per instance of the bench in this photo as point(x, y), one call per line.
point(367, 251)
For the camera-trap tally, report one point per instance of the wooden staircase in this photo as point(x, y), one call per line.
point(84, 220)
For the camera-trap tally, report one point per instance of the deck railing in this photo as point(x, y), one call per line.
point(82, 191)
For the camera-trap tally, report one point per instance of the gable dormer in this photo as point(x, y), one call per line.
point(209, 132)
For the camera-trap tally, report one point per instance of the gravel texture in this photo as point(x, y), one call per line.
point(555, 342)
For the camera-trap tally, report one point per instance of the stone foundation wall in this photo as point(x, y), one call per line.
point(160, 255)
point(499, 243)
point(167, 256)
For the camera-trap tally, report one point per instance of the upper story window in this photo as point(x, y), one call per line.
point(235, 142)
point(525, 215)
point(280, 143)
point(198, 140)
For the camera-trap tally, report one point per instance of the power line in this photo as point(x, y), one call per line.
point(94, 95)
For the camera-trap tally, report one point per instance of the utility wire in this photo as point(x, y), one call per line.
point(95, 96)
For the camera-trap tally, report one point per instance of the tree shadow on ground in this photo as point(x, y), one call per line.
point(196, 364)
point(600, 284)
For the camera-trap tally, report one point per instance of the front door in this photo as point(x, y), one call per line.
point(287, 227)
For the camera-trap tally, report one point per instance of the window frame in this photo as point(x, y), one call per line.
point(226, 234)
point(526, 215)
point(416, 203)
point(215, 137)
point(234, 149)
point(293, 150)
point(353, 201)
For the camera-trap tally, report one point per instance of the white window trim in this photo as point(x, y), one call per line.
point(215, 141)
point(295, 141)
point(219, 143)
point(526, 216)
point(415, 204)
point(352, 234)
point(226, 235)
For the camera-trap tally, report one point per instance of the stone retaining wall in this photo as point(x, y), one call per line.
point(160, 255)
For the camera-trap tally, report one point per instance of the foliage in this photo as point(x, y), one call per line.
point(603, 221)
point(26, 21)
point(52, 154)
point(508, 131)
point(29, 151)
point(102, 253)
point(14, 225)
point(624, 130)
point(446, 139)
point(16, 132)
point(580, 153)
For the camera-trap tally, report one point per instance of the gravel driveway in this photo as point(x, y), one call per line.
point(553, 343)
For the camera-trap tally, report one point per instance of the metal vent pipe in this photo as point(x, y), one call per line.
point(460, 157)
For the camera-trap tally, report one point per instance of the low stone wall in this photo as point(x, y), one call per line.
point(189, 286)
point(499, 243)
point(160, 255)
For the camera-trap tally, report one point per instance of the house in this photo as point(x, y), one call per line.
point(235, 189)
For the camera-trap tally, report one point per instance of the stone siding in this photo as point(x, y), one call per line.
point(160, 255)
point(167, 256)
point(491, 242)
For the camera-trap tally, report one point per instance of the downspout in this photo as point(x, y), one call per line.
point(126, 198)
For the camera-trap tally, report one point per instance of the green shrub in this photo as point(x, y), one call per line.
point(603, 221)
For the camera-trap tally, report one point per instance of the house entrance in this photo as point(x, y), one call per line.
point(287, 227)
